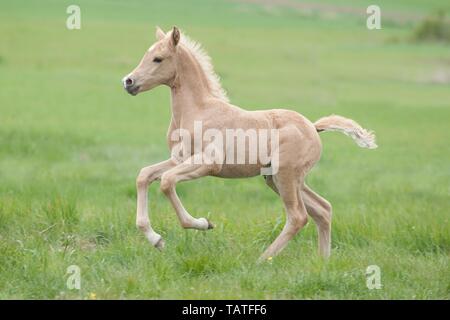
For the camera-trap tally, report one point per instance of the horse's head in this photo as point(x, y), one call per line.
point(157, 66)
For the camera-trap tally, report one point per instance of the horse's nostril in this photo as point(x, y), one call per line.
point(128, 82)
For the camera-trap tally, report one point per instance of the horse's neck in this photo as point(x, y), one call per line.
point(185, 104)
point(189, 89)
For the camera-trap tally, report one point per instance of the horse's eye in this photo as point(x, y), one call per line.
point(157, 60)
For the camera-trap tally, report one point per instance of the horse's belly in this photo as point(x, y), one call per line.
point(239, 170)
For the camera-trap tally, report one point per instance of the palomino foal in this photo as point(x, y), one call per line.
point(197, 96)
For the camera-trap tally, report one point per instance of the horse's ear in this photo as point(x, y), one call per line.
point(159, 33)
point(175, 36)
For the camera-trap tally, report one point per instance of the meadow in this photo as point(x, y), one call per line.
point(72, 142)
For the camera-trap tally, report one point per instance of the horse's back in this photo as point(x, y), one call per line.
point(297, 134)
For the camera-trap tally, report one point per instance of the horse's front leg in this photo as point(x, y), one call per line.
point(187, 170)
point(146, 176)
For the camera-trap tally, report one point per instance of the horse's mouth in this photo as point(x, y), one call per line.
point(133, 90)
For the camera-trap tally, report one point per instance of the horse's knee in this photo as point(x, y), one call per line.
point(142, 179)
point(167, 183)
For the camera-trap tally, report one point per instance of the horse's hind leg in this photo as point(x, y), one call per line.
point(288, 188)
point(320, 210)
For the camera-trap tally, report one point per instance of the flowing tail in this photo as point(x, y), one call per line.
point(362, 137)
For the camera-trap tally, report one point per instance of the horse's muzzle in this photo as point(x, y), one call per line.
point(130, 86)
point(133, 90)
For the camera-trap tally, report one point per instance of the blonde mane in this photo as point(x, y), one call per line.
point(204, 60)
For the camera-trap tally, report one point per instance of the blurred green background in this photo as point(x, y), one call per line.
point(72, 142)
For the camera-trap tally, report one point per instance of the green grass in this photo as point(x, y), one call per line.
point(72, 142)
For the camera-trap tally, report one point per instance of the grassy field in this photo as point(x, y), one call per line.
point(72, 142)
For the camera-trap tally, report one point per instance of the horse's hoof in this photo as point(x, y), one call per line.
point(160, 244)
point(210, 225)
